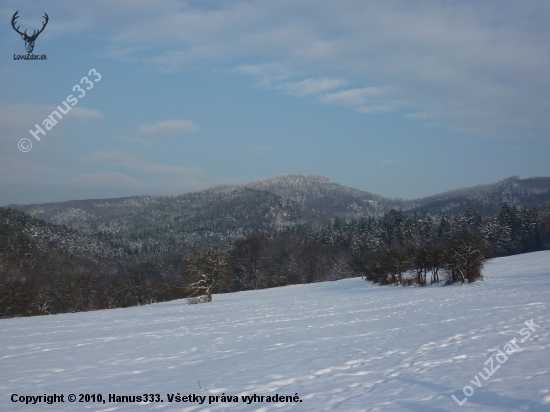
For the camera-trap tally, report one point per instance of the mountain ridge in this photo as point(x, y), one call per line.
point(316, 192)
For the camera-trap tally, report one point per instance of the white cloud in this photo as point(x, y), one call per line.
point(18, 114)
point(140, 174)
point(388, 162)
point(123, 182)
point(11, 164)
point(83, 113)
point(128, 161)
point(313, 86)
point(353, 97)
point(106, 179)
point(17, 119)
point(167, 128)
point(267, 74)
point(377, 108)
point(473, 66)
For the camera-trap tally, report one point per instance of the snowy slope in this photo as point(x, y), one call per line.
point(346, 345)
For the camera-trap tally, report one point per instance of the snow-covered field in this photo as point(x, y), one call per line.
point(346, 345)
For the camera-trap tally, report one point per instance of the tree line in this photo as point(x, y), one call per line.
point(400, 248)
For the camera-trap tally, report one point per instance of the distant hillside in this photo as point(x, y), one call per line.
point(487, 199)
point(322, 194)
point(315, 192)
point(74, 212)
point(163, 224)
point(51, 236)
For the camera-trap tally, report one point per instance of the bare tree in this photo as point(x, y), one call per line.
point(247, 258)
point(398, 262)
point(208, 273)
point(420, 262)
point(466, 255)
point(436, 256)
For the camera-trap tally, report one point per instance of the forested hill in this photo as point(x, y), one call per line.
point(141, 250)
point(167, 224)
point(311, 192)
point(22, 232)
point(75, 212)
point(321, 193)
point(349, 203)
point(488, 199)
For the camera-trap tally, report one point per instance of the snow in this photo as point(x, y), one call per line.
point(346, 345)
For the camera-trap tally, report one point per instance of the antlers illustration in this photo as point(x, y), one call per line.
point(29, 40)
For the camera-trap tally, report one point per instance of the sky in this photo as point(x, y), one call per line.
point(398, 98)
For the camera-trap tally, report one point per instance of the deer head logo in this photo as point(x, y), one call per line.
point(29, 40)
